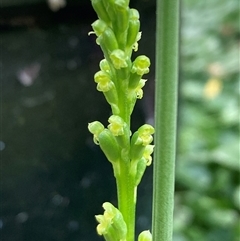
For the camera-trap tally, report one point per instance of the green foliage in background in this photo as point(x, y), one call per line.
point(208, 191)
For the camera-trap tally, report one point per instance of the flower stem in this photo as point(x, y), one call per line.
point(127, 198)
point(165, 118)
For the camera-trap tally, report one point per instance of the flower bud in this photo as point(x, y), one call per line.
point(122, 3)
point(100, 9)
point(112, 98)
point(134, 81)
point(145, 236)
point(109, 6)
point(134, 26)
point(104, 66)
point(109, 145)
point(122, 16)
point(99, 27)
point(109, 40)
point(136, 150)
point(141, 65)
point(121, 22)
point(141, 167)
point(95, 128)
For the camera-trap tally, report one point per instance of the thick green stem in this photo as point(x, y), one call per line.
point(165, 118)
point(125, 181)
point(126, 198)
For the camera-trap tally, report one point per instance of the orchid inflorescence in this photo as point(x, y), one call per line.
point(120, 80)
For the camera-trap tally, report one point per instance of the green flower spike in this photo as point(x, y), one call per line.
point(141, 65)
point(95, 128)
point(111, 224)
point(145, 236)
point(120, 80)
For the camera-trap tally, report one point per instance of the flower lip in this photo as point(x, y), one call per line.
point(147, 154)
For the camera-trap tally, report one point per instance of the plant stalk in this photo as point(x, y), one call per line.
point(167, 44)
point(127, 199)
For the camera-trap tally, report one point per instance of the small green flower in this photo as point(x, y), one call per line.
point(111, 224)
point(95, 128)
point(145, 135)
point(116, 125)
point(103, 81)
point(98, 27)
point(119, 59)
point(104, 66)
point(141, 65)
point(145, 236)
point(140, 145)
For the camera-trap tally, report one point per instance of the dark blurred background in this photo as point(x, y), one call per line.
point(54, 179)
